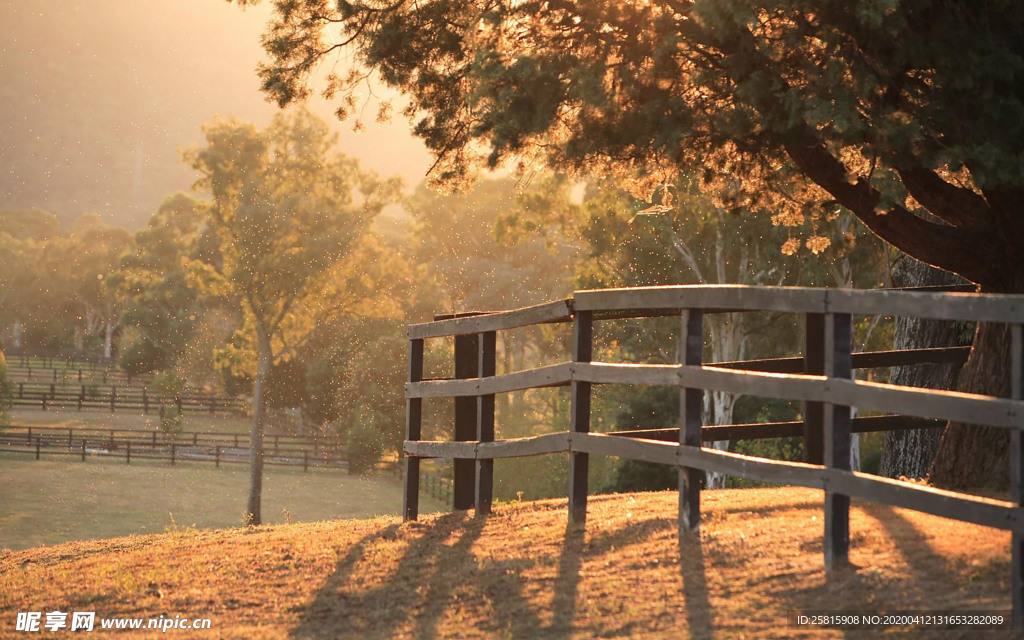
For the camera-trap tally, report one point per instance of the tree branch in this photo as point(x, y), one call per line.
point(963, 250)
point(958, 206)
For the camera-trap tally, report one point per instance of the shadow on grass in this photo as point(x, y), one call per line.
point(422, 585)
point(699, 616)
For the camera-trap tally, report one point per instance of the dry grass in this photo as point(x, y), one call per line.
point(523, 573)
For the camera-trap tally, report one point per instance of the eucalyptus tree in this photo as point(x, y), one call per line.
point(287, 210)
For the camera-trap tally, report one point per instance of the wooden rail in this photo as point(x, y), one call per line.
point(822, 379)
point(113, 398)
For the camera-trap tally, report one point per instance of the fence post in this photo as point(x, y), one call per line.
point(814, 364)
point(37, 446)
point(70, 432)
point(691, 346)
point(836, 346)
point(485, 422)
point(413, 429)
point(464, 472)
point(305, 461)
point(173, 453)
point(128, 452)
point(216, 456)
point(1017, 475)
point(579, 463)
point(83, 450)
point(113, 398)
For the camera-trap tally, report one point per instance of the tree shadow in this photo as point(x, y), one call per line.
point(437, 576)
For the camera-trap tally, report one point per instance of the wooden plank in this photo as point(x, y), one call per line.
point(557, 311)
point(486, 366)
point(547, 376)
point(862, 360)
point(923, 304)
point(579, 462)
point(875, 396)
point(439, 449)
point(998, 514)
point(519, 447)
point(928, 403)
point(947, 504)
point(814, 410)
point(691, 402)
point(838, 345)
point(413, 431)
point(514, 448)
point(633, 449)
point(464, 472)
point(753, 468)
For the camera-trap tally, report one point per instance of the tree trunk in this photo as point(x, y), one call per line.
point(17, 334)
point(252, 515)
point(971, 456)
point(108, 341)
point(910, 453)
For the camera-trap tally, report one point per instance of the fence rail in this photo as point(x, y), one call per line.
point(115, 399)
point(822, 378)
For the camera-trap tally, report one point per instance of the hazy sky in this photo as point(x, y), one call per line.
point(99, 97)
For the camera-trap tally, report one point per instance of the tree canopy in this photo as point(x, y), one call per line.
point(885, 108)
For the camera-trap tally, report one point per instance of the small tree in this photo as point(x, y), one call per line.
point(287, 211)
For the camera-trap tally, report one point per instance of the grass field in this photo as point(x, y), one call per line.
point(97, 419)
point(47, 502)
point(523, 573)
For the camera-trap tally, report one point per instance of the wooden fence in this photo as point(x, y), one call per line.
point(50, 396)
point(227, 448)
point(822, 379)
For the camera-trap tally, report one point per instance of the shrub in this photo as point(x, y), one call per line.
point(365, 445)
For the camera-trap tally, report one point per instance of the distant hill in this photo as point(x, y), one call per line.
point(99, 98)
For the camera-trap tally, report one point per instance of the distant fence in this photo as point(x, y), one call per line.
point(190, 446)
point(822, 379)
point(227, 448)
point(114, 398)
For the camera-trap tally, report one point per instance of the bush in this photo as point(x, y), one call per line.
point(171, 420)
point(365, 446)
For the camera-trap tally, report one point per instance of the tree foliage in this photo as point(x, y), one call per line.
point(789, 106)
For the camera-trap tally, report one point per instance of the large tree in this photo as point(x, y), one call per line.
point(287, 210)
point(884, 108)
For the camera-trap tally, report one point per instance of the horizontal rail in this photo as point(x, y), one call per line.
point(912, 401)
point(549, 376)
point(558, 311)
point(861, 360)
point(641, 301)
point(987, 512)
point(789, 429)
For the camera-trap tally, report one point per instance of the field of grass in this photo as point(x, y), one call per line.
point(52, 501)
point(101, 419)
point(523, 573)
